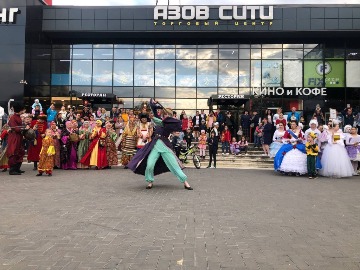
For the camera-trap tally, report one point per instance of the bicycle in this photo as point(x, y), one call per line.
point(191, 151)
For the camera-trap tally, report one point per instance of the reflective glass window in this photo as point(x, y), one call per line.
point(228, 73)
point(293, 53)
point(82, 54)
point(60, 91)
point(207, 54)
point(82, 46)
point(185, 92)
point(103, 46)
point(165, 46)
point(230, 46)
point(102, 73)
point(147, 46)
point(271, 73)
point(244, 53)
point(208, 46)
point(207, 73)
point(123, 73)
point(60, 72)
point(186, 54)
point(353, 54)
point(271, 54)
point(123, 46)
point(186, 46)
point(123, 53)
point(244, 46)
point(81, 72)
point(255, 73)
point(296, 46)
point(165, 92)
point(165, 54)
point(143, 92)
point(255, 54)
point(41, 54)
point(42, 92)
point(201, 104)
point(244, 73)
point(186, 73)
point(103, 53)
point(165, 72)
point(334, 53)
point(206, 92)
point(40, 72)
point(228, 53)
point(256, 46)
point(352, 73)
point(62, 54)
point(102, 90)
point(182, 104)
point(244, 91)
point(123, 92)
point(128, 103)
point(229, 91)
point(293, 73)
point(144, 72)
point(144, 54)
point(272, 46)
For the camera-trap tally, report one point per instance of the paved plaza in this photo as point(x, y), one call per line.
point(234, 219)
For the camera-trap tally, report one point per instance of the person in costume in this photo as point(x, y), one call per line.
point(335, 160)
point(202, 144)
point(111, 149)
point(68, 142)
point(313, 127)
point(4, 161)
point(96, 154)
point(312, 150)
point(129, 139)
point(353, 148)
point(291, 157)
point(158, 156)
point(55, 133)
point(144, 131)
point(277, 140)
point(84, 142)
point(47, 153)
point(40, 126)
point(15, 150)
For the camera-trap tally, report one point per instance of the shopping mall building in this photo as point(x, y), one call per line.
point(189, 57)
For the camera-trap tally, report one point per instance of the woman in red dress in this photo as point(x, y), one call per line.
point(35, 146)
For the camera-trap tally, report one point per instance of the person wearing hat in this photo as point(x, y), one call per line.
point(35, 146)
point(55, 133)
point(129, 140)
point(144, 130)
point(15, 149)
point(312, 151)
point(158, 156)
point(313, 128)
point(83, 146)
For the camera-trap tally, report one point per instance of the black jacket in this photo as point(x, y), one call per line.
point(213, 143)
point(245, 121)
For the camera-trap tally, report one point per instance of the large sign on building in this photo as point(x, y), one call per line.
point(8, 15)
point(47, 2)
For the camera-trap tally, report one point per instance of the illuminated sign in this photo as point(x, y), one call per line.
point(203, 13)
point(8, 15)
point(280, 91)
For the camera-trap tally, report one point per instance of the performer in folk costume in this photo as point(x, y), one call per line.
point(291, 157)
point(144, 130)
point(129, 140)
point(68, 141)
point(84, 142)
point(96, 154)
point(111, 149)
point(15, 149)
point(158, 156)
point(312, 151)
point(55, 133)
point(353, 148)
point(4, 161)
point(277, 139)
point(335, 160)
point(46, 162)
point(40, 126)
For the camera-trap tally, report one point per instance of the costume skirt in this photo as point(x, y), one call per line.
point(336, 162)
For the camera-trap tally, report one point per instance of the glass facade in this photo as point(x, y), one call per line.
point(185, 76)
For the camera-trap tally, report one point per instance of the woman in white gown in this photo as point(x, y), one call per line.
point(277, 140)
point(335, 160)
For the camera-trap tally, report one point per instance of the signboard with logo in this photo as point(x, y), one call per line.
point(47, 2)
point(314, 71)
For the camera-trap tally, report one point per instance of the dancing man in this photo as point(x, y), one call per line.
point(157, 156)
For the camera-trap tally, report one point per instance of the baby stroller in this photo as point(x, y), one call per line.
point(185, 152)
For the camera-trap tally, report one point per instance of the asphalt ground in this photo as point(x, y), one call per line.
point(233, 219)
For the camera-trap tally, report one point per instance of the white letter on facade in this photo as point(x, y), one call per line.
point(160, 11)
point(221, 13)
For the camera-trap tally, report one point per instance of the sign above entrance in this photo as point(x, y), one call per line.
point(95, 95)
point(280, 91)
point(8, 15)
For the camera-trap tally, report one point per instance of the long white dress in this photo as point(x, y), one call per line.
point(335, 160)
point(276, 145)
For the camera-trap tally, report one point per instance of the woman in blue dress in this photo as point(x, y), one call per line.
point(277, 139)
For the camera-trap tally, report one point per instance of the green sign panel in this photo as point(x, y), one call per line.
point(314, 71)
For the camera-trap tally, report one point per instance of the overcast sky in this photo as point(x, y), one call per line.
point(196, 2)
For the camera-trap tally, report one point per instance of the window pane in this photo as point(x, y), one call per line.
point(353, 54)
point(124, 54)
point(186, 73)
point(60, 91)
point(60, 72)
point(272, 46)
point(103, 54)
point(102, 72)
point(271, 73)
point(144, 54)
point(165, 54)
point(123, 73)
point(128, 103)
point(144, 73)
point(165, 72)
point(185, 93)
point(207, 71)
point(271, 54)
point(255, 53)
point(123, 91)
point(285, 46)
point(103, 46)
point(82, 54)
point(186, 54)
point(143, 92)
point(293, 53)
point(206, 92)
point(207, 54)
point(40, 72)
point(293, 73)
point(201, 104)
point(255, 73)
point(182, 104)
point(352, 73)
point(244, 73)
point(228, 91)
point(164, 92)
point(228, 73)
point(122, 46)
point(244, 54)
point(81, 72)
point(61, 54)
point(102, 90)
point(228, 54)
point(244, 91)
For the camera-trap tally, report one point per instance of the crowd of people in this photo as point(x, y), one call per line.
point(72, 139)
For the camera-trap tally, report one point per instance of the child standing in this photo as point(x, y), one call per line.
point(312, 150)
point(234, 147)
point(46, 162)
point(258, 136)
point(225, 140)
point(202, 143)
point(213, 143)
point(188, 137)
